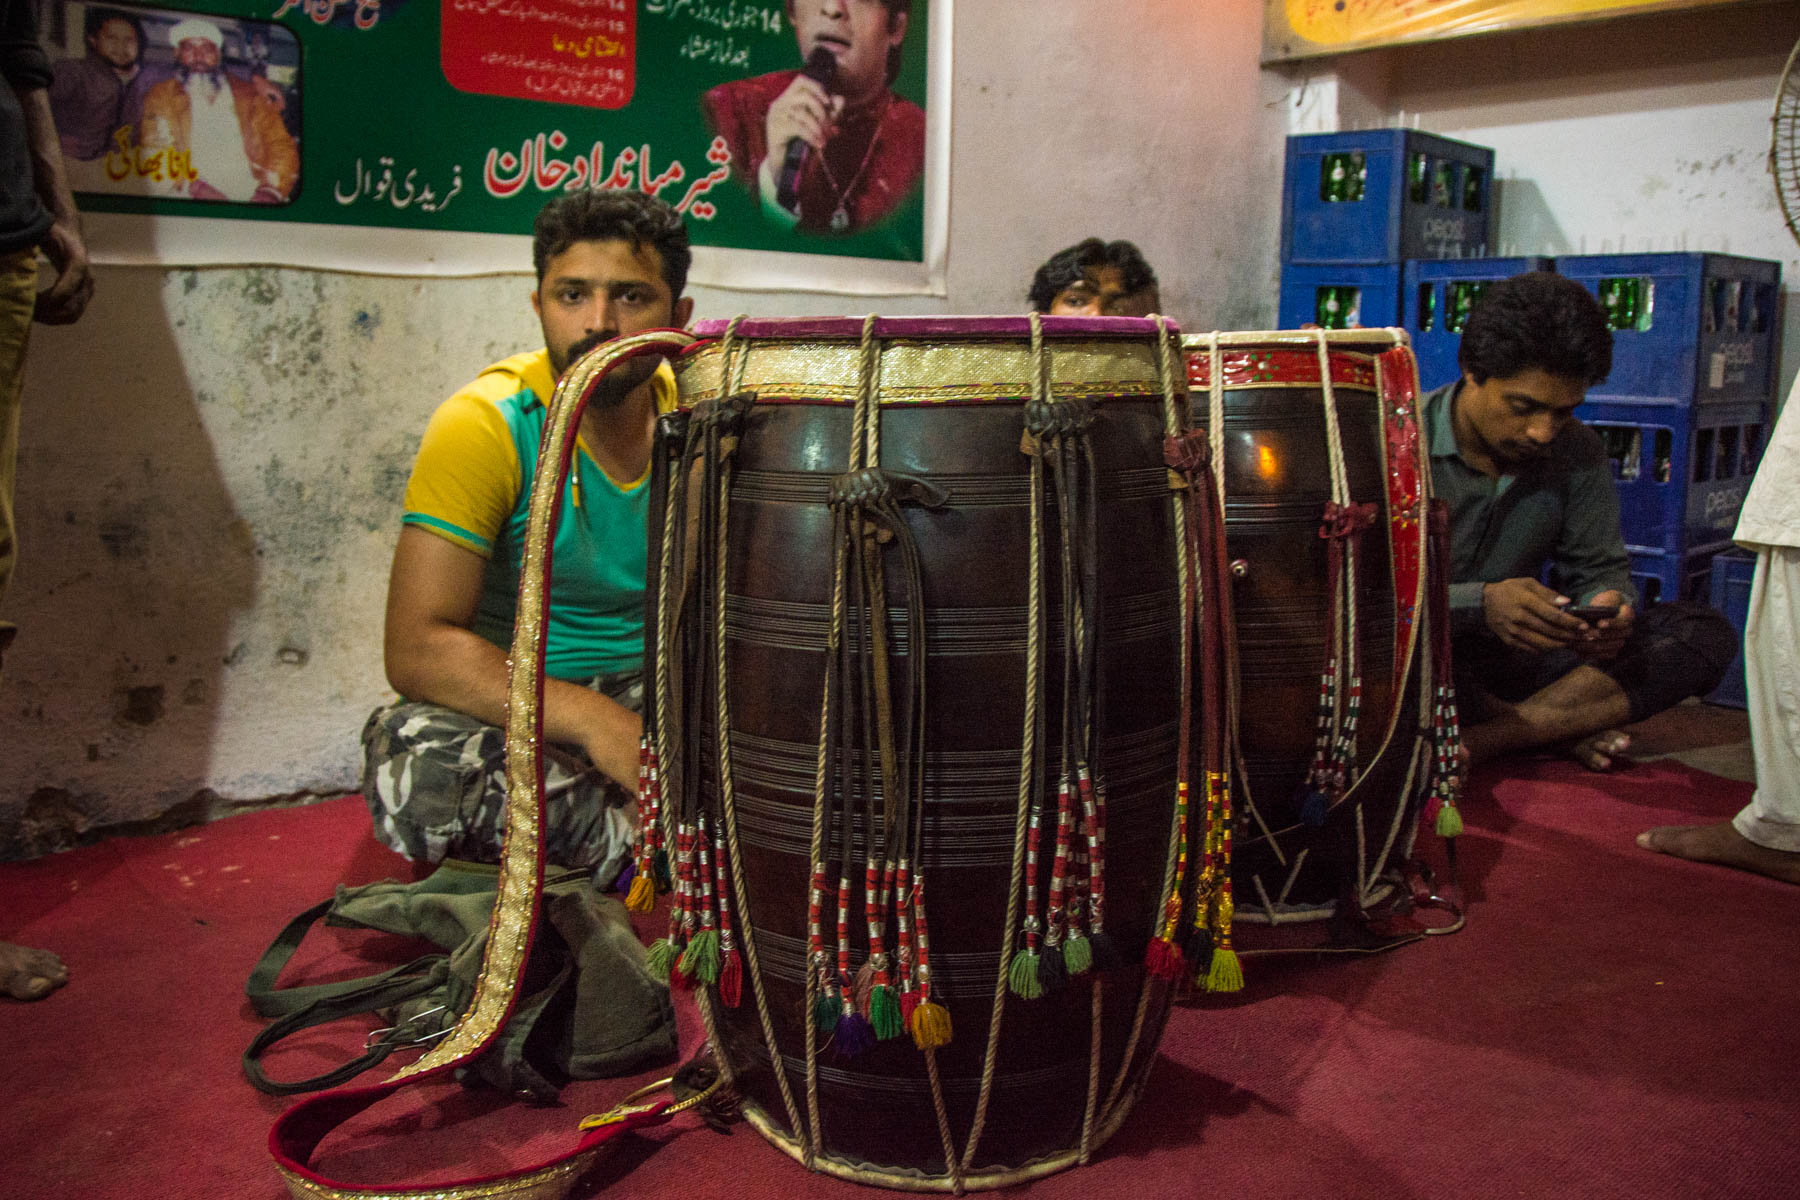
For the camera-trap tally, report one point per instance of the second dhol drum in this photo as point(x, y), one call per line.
point(1344, 721)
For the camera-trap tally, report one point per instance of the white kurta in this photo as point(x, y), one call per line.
point(1770, 525)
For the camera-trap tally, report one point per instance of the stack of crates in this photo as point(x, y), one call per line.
point(1686, 410)
point(1355, 206)
point(1436, 297)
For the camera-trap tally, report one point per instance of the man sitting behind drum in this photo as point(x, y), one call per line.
point(1093, 278)
point(1528, 485)
point(609, 264)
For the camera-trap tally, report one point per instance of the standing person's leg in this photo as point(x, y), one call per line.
point(18, 294)
point(25, 974)
point(1765, 836)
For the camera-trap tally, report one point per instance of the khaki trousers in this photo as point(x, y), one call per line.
point(18, 296)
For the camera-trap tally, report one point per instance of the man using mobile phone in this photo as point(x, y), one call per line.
point(1564, 663)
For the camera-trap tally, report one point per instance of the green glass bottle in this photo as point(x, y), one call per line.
point(1418, 186)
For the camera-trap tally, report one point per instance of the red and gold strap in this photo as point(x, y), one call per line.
point(298, 1131)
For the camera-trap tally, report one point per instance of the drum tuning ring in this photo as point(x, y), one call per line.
point(1239, 568)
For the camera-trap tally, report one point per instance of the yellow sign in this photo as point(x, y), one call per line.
point(1311, 28)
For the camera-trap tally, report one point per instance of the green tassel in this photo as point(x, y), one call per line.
point(1022, 976)
point(660, 958)
point(1449, 821)
point(1226, 974)
point(826, 1011)
point(1078, 954)
point(659, 865)
point(700, 961)
point(884, 1012)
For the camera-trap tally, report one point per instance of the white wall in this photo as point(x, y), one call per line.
point(1647, 134)
point(212, 461)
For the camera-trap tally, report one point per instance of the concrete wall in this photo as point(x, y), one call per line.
point(1646, 134)
point(212, 461)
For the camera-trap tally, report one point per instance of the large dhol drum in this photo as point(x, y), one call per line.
point(930, 570)
point(1326, 487)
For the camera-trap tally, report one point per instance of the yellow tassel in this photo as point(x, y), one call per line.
point(931, 1026)
point(642, 896)
point(1449, 821)
point(1226, 973)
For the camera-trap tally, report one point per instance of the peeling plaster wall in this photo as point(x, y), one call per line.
point(212, 461)
point(1646, 134)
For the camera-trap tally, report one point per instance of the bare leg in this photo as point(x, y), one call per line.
point(27, 974)
point(1582, 711)
point(1722, 844)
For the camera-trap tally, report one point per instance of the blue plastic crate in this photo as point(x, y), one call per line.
point(1659, 576)
point(1384, 195)
point(1681, 471)
point(1435, 298)
point(1695, 328)
point(1364, 296)
point(1731, 575)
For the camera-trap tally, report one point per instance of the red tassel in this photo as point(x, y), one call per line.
point(731, 980)
point(908, 1002)
point(1164, 959)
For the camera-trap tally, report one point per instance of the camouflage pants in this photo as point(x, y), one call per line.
point(435, 783)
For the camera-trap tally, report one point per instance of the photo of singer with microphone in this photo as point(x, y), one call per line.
point(828, 148)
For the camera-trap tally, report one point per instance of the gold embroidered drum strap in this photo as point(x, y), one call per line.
point(298, 1132)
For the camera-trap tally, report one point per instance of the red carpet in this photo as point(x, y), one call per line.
point(1611, 1023)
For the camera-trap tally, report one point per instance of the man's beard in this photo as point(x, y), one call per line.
point(216, 77)
point(573, 355)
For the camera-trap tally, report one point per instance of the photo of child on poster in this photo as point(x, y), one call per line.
point(174, 105)
point(827, 147)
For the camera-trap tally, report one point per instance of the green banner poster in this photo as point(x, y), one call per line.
point(781, 129)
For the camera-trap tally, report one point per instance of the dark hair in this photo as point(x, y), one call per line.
point(1539, 320)
point(1068, 267)
point(626, 215)
point(895, 8)
point(97, 18)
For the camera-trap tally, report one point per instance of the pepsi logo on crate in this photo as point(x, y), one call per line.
point(1379, 196)
point(1688, 328)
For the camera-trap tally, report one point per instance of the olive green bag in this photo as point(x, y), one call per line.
point(587, 1009)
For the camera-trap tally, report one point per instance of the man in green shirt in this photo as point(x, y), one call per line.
point(1569, 662)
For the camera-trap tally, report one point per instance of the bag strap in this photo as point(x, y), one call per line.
point(349, 998)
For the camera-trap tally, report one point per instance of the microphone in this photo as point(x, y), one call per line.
point(821, 65)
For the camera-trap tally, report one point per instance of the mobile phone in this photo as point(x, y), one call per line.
point(1593, 612)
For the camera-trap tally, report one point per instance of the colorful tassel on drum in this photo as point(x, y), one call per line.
point(665, 952)
point(1093, 803)
point(731, 970)
point(1224, 973)
point(930, 1021)
point(883, 1004)
point(852, 1034)
point(640, 889)
point(1053, 967)
point(1022, 974)
point(828, 1005)
point(1163, 957)
point(699, 962)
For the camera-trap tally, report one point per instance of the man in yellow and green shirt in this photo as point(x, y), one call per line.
point(609, 264)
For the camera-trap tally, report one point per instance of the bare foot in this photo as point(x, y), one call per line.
point(27, 974)
point(1600, 751)
point(1722, 844)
